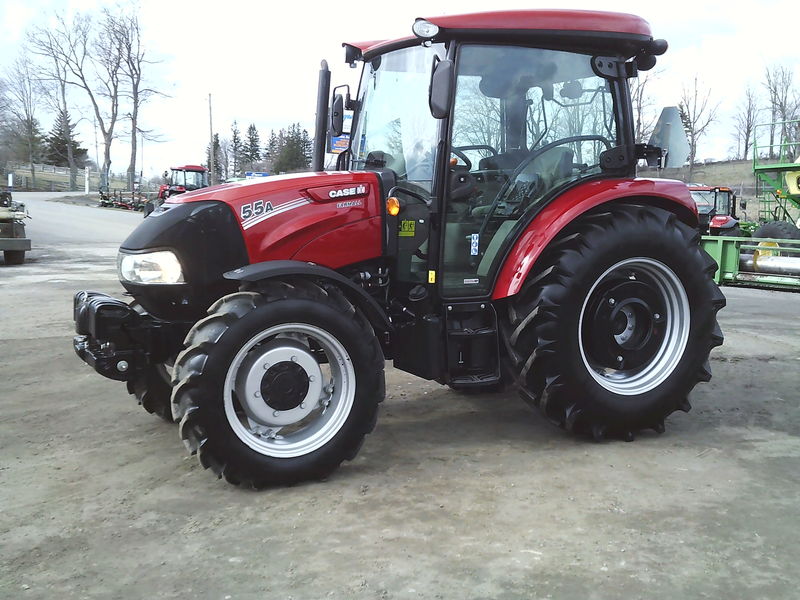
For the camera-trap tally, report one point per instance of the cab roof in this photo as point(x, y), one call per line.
point(189, 168)
point(581, 28)
point(701, 187)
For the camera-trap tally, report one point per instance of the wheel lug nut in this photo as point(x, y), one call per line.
point(257, 394)
point(311, 378)
point(266, 366)
point(302, 405)
point(274, 413)
point(619, 359)
point(656, 316)
point(611, 302)
point(294, 359)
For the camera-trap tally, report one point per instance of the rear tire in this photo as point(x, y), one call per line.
point(14, 257)
point(279, 386)
point(628, 283)
point(778, 230)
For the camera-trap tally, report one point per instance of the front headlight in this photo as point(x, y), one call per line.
point(152, 267)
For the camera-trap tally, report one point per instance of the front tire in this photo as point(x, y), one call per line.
point(153, 387)
point(278, 386)
point(153, 390)
point(613, 328)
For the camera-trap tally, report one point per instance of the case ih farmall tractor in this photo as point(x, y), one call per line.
point(484, 229)
point(183, 179)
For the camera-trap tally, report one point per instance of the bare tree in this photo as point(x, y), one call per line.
point(697, 114)
point(93, 60)
point(745, 122)
point(225, 156)
point(644, 114)
point(126, 31)
point(784, 105)
point(24, 95)
point(54, 74)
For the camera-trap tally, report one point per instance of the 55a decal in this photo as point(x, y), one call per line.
point(255, 209)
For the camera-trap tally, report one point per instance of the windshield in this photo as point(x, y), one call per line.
point(704, 201)
point(191, 180)
point(526, 123)
point(394, 126)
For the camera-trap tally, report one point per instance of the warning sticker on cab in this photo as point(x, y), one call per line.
point(407, 228)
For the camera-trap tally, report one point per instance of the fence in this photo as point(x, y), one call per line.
point(50, 178)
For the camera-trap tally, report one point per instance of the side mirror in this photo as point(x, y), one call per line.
point(166, 175)
point(337, 115)
point(743, 204)
point(441, 90)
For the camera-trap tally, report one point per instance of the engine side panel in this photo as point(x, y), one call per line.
point(310, 216)
point(668, 194)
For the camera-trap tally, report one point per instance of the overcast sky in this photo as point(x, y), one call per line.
point(259, 60)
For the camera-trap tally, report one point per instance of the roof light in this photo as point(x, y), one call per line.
point(424, 29)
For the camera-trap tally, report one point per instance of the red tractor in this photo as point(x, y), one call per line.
point(716, 209)
point(178, 180)
point(484, 229)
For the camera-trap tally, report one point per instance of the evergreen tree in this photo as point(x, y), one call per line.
point(252, 147)
point(237, 151)
point(25, 141)
point(55, 149)
point(271, 149)
point(293, 150)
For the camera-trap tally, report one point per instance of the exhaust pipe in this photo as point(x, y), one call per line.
point(321, 126)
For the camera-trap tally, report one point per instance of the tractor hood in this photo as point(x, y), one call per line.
point(307, 216)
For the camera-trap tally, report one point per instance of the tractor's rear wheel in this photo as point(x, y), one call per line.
point(778, 230)
point(278, 386)
point(613, 329)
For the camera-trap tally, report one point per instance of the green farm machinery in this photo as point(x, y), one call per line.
point(771, 258)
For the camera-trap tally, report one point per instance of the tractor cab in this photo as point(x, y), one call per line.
point(494, 124)
point(183, 179)
point(716, 209)
point(492, 128)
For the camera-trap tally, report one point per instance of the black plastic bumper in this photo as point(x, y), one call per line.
point(119, 342)
point(103, 342)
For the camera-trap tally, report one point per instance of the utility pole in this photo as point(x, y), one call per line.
point(211, 144)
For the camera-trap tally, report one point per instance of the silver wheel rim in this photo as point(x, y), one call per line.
point(673, 326)
point(305, 355)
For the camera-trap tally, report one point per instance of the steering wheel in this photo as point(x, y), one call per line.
point(463, 157)
point(459, 152)
point(509, 186)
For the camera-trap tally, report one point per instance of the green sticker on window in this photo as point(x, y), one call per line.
point(407, 228)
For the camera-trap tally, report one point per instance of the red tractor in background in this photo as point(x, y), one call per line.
point(716, 209)
point(178, 180)
point(484, 229)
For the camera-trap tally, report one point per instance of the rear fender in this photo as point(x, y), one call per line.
point(280, 269)
point(552, 219)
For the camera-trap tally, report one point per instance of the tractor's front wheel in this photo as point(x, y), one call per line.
point(153, 390)
point(278, 386)
point(614, 327)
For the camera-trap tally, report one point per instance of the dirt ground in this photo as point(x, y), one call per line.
point(450, 497)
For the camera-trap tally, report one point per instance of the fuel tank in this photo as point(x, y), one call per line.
point(329, 218)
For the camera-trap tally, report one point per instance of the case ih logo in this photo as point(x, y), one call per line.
point(358, 190)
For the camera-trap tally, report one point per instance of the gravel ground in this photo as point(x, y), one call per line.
point(451, 497)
